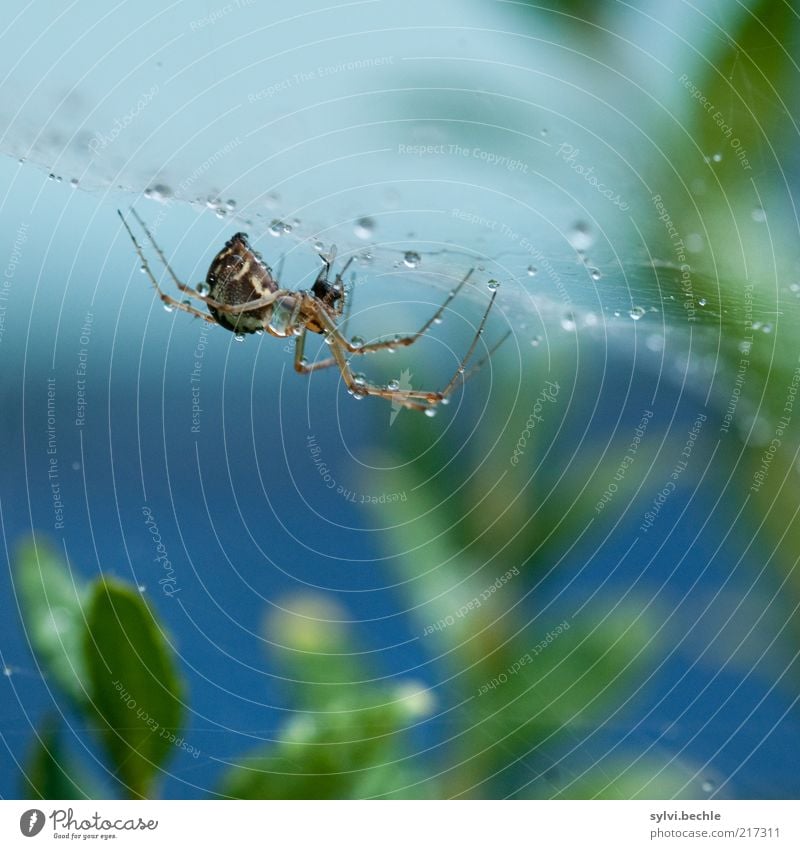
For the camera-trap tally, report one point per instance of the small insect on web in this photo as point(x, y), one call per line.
point(243, 296)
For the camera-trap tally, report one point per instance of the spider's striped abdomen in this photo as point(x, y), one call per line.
point(237, 275)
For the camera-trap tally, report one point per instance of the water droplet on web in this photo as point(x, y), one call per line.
point(74, 182)
point(758, 215)
point(272, 200)
point(430, 412)
point(568, 321)
point(438, 320)
point(359, 379)
point(794, 287)
point(595, 273)
point(492, 285)
point(717, 157)
point(203, 289)
point(532, 271)
point(393, 385)
point(702, 301)
point(158, 192)
point(412, 259)
point(230, 205)
point(7, 671)
point(364, 228)
point(580, 236)
point(319, 247)
point(169, 308)
point(535, 341)
point(708, 786)
point(636, 313)
point(767, 327)
point(142, 269)
point(212, 203)
point(238, 337)
point(357, 342)
point(221, 213)
point(277, 227)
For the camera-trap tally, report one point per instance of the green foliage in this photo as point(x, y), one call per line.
point(52, 602)
point(133, 682)
point(50, 774)
point(353, 751)
point(102, 645)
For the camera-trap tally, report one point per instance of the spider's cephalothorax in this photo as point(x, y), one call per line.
point(242, 296)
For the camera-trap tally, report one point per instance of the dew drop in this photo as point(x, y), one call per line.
point(158, 192)
point(276, 227)
point(221, 213)
point(318, 247)
point(230, 205)
point(238, 337)
point(51, 176)
point(758, 215)
point(708, 786)
point(393, 385)
point(438, 320)
point(430, 412)
point(535, 341)
point(532, 271)
point(412, 259)
point(568, 321)
point(636, 313)
point(717, 157)
point(359, 379)
point(767, 328)
point(7, 671)
point(580, 236)
point(169, 308)
point(212, 203)
point(702, 301)
point(364, 228)
point(357, 342)
point(203, 289)
point(492, 285)
point(74, 182)
point(595, 273)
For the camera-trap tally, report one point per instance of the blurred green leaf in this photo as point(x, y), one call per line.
point(52, 608)
point(134, 684)
point(49, 774)
point(350, 752)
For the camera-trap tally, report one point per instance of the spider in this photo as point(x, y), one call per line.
point(243, 296)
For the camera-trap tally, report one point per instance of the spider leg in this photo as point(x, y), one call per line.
point(182, 286)
point(406, 397)
point(167, 299)
point(409, 340)
point(459, 375)
point(303, 367)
